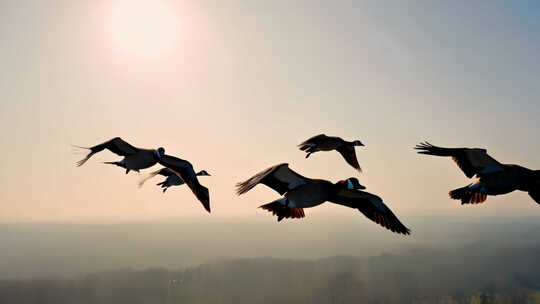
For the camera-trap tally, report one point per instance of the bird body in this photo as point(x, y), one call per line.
point(300, 192)
point(172, 178)
point(512, 178)
point(492, 178)
point(311, 194)
point(141, 160)
point(323, 142)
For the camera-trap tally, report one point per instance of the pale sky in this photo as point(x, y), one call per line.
point(233, 87)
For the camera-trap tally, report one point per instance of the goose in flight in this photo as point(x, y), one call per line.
point(134, 158)
point(493, 178)
point(184, 170)
point(171, 180)
point(322, 142)
point(300, 192)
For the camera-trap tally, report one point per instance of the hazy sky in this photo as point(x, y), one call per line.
point(235, 86)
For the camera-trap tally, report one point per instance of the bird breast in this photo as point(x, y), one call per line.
point(309, 195)
point(500, 183)
point(142, 160)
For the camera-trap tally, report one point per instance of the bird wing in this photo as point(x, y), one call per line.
point(372, 207)
point(313, 141)
point(185, 171)
point(535, 195)
point(163, 171)
point(470, 161)
point(349, 154)
point(115, 145)
point(279, 177)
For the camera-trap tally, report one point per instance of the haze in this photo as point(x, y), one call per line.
point(233, 87)
point(244, 83)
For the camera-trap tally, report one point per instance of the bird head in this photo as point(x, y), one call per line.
point(203, 173)
point(358, 143)
point(160, 152)
point(351, 183)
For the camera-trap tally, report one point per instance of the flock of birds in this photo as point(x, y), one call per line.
point(299, 192)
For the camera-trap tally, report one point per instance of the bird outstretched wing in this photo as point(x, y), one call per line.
point(372, 207)
point(115, 145)
point(349, 154)
point(470, 161)
point(185, 171)
point(279, 177)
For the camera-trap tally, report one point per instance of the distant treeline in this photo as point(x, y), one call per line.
point(41, 250)
point(472, 274)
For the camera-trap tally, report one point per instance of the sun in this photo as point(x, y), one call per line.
point(144, 28)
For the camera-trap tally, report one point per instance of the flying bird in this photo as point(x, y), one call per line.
point(322, 142)
point(492, 177)
point(300, 192)
point(184, 170)
point(171, 180)
point(134, 158)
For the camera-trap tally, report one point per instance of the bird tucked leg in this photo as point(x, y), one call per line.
point(308, 148)
point(310, 151)
point(163, 186)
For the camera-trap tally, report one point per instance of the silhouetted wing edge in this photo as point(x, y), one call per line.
point(279, 177)
point(350, 157)
point(372, 207)
point(470, 161)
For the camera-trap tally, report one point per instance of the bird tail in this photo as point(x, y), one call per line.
point(303, 146)
point(468, 196)
point(282, 211)
point(307, 147)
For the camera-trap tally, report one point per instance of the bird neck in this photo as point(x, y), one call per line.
point(338, 186)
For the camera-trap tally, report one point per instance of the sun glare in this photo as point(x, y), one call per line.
point(143, 27)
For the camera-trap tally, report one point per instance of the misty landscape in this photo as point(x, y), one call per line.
point(492, 260)
point(269, 151)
